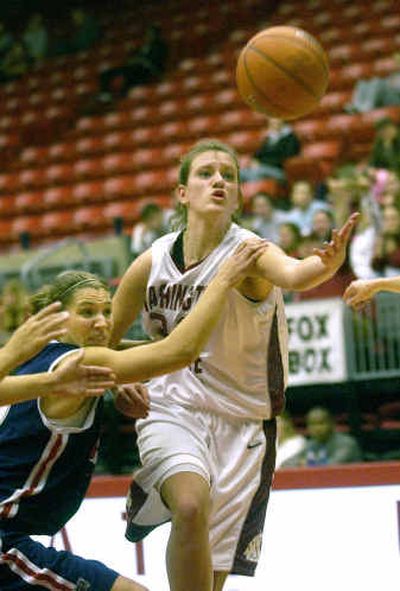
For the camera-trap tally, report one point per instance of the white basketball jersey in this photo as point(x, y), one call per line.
point(246, 352)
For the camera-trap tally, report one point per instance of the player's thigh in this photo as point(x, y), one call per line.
point(123, 584)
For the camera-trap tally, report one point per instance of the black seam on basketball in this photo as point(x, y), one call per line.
point(313, 44)
point(262, 93)
point(288, 73)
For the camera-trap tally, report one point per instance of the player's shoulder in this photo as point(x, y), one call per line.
point(238, 233)
point(165, 240)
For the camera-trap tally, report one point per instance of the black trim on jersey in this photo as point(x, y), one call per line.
point(178, 255)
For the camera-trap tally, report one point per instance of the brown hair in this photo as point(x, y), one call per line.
point(63, 288)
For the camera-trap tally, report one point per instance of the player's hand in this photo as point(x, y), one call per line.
point(359, 293)
point(333, 253)
point(72, 378)
point(36, 332)
point(240, 263)
point(132, 400)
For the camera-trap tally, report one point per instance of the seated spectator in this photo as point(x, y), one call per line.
point(280, 144)
point(85, 32)
point(289, 238)
point(264, 218)
point(323, 222)
point(149, 228)
point(36, 39)
point(325, 445)
point(14, 308)
point(304, 207)
point(376, 92)
point(6, 40)
point(145, 64)
point(386, 147)
point(386, 254)
point(15, 63)
point(290, 443)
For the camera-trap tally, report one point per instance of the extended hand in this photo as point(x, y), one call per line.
point(333, 253)
point(72, 378)
point(239, 264)
point(36, 332)
point(133, 400)
point(359, 293)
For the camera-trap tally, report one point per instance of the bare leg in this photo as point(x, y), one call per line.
point(188, 552)
point(123, 584)
point(219, 580)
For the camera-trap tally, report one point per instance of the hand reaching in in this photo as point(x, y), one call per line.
point(133, 400)
point(333, 253)
point(359, 293)
point(73, 378)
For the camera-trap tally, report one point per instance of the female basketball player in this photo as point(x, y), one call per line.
point(73, 378)
point(208, 444)
point(47, 447)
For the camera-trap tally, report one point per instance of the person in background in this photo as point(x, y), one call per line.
point(264, 218)
point(289, 442)
point(385, 151)
point(85, 30)
point(325, 445)
point(386, 254)
point(268, 161)
point(14, 308)
point(149, 227)
point(6, 40)
point(15, 63)
point(323, 222)
point(289, 239)
point(36, 39)
point(304, 207)
point(143, 65)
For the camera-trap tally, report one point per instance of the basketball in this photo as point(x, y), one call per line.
point(282, 72)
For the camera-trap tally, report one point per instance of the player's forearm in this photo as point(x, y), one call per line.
point(309, 273)
point(14, 389)
point(391, 284)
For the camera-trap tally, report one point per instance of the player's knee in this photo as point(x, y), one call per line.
point(192, 510)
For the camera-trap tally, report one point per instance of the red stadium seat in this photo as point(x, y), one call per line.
point(57, 223)
point(58, 197)
point(31, 202)
point(90, 192)
point(9, 182)
point(90, 217)
point(88, 168)
point(59, 173)
point(7, 205)
point(32, 178)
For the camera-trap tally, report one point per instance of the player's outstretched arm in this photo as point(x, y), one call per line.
point(299, 275)
point(72, 379)
point(187, 340)
point(361, 291)
point(31, 337)
point(129, 298)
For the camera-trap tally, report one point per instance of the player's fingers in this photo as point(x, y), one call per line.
point(55, 334)
point(50, 309)
point(96, 371)
point(94, 392)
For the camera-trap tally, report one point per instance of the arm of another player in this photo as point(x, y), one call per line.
point(129, 298)
point(186, 341)
point(299, 275)
point(361, 291)
point(72, 379)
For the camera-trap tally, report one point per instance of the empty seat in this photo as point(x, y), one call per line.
point(90, 217)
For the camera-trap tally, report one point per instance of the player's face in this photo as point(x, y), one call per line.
point(90, 319)
point(213, 185)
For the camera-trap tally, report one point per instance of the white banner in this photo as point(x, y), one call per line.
point(337, 539)
point(316, 342)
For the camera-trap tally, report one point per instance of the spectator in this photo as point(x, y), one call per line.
point(144, 65)
point(36, 38)
point(265, 218)
point(323, 222)
point(290, 443)
point(386, 148)
point(324, 444)
point(289, 238)
point(14, 306)
point(280, 144)
point(149, 227)
point(15, 63)
point(86, 30)
point(376, 92)
point(386, 255)
point(6, 40)
point(304, 207)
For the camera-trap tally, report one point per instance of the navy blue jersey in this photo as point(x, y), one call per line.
point(44, 473)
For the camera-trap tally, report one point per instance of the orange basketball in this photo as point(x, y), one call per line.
point(282, 72)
